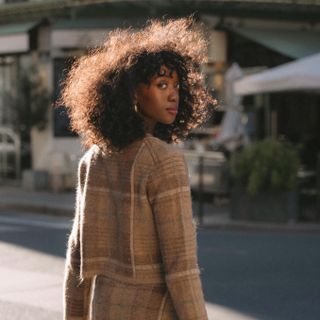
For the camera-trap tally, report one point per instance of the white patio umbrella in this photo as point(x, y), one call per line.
point(302, 74)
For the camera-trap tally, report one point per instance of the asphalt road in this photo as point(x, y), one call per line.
point(264, 275)
point(245, 275)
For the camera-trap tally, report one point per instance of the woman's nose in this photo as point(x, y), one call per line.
point(173, 95)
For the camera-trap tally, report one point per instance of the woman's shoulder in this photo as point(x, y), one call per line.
point(155, 151)
point(161, 150)
point(88, 155)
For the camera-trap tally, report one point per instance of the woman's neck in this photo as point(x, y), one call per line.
point(149, 127)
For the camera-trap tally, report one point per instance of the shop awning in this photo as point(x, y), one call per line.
point(84, 33)
point(301, 74)
point(14, 38)
point(292, 43)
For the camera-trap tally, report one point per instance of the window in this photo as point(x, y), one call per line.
point(61, 120)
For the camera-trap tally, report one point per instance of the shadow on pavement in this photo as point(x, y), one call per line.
point(48, 236)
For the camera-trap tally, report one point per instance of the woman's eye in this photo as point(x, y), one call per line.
point(162, 85)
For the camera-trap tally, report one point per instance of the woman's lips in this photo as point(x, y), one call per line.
point(173, 111)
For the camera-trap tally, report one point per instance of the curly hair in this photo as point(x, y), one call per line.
point(98, 90)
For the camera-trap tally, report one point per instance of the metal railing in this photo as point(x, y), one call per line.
point(208, 174)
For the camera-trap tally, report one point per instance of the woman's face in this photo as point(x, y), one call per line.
point(158, 101)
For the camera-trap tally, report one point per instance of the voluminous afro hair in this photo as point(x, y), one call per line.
point(98, 90)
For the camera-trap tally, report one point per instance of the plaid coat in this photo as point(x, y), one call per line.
point(132, 251)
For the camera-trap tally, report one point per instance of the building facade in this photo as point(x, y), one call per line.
point(45, 36)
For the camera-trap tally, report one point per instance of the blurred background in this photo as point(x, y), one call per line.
point(254, 166)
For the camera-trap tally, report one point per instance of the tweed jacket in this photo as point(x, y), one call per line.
point(132, 251)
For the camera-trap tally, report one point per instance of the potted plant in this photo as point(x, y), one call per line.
point(264, 177)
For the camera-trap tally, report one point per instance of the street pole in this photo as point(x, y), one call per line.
point(267, 115)
point(318, 186)
point(200, 189)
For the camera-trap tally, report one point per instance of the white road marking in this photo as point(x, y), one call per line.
point(11, 229)
point(33, 222)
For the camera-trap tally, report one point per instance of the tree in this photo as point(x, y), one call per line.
point(28, 106)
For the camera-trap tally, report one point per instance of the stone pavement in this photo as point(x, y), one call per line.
point(26, 292)
point(62, 204)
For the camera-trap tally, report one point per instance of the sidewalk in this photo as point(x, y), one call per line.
point(46, 202)
point(62, 204)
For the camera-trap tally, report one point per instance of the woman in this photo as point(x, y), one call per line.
point(132, 250)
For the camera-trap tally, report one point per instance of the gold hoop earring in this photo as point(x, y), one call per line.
point(136, 108)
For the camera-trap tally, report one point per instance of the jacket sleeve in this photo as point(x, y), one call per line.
point(75, 291)
point(169, 194)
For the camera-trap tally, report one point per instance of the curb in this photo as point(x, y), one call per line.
point(264, 227)
point(60, 212)
point(248, 226)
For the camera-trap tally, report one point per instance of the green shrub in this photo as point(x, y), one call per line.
point(266, 165)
